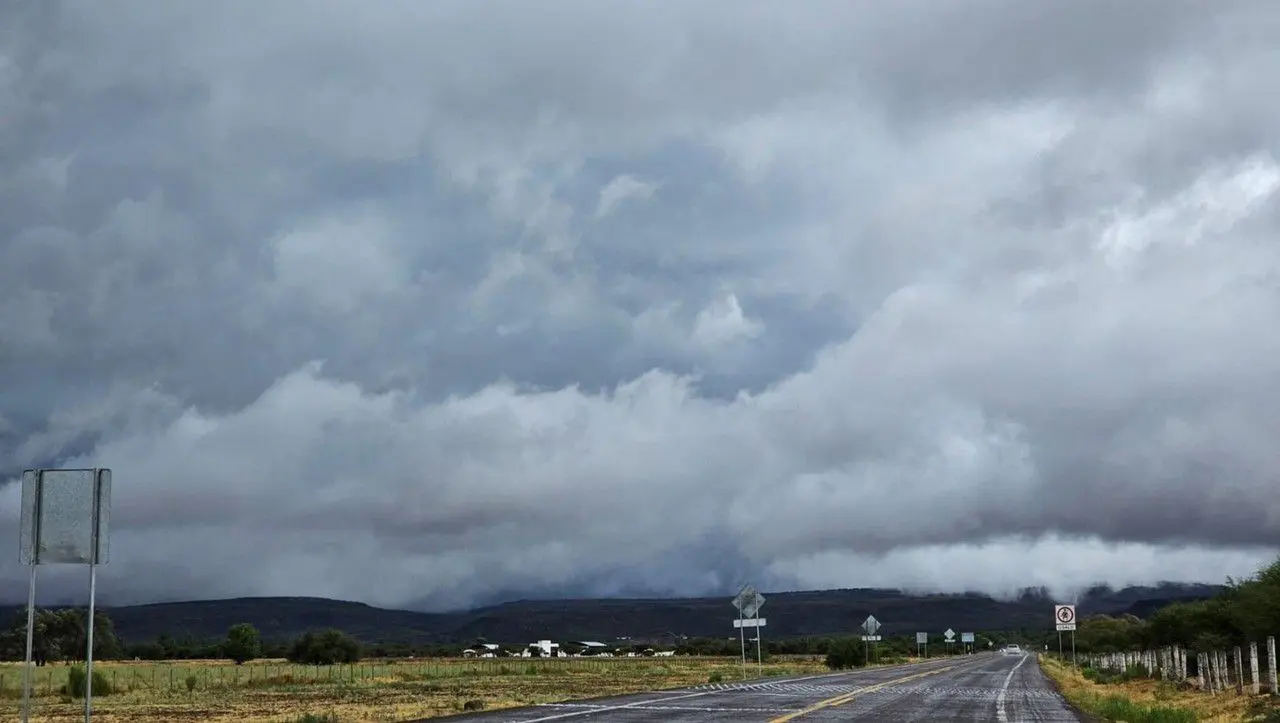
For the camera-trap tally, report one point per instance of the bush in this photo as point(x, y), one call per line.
point(846, 653)
point(318, 718)
point(1108, 677)
point(1264, 710)
point(191, 683)
point(75, 686)
point(716, 678)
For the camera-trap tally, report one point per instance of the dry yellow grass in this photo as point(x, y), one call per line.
point(277, 692)
point(1219, 708)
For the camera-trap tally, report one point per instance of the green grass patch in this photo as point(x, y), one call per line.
point(1121, 708)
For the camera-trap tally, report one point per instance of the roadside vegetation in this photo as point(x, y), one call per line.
point(1247, 611)
point(1134, 698)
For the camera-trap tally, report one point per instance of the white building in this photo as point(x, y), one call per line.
point(544, 648)
point(592, 648)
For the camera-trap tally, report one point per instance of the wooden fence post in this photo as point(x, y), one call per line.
point(1255, 685)
point(1239, 655)
point(1271, 665)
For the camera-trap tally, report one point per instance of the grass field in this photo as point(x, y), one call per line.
point(1151, 701)
point(278, 692)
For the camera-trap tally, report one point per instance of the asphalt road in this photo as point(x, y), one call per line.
point(984, 687)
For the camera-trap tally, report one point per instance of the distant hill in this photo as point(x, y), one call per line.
point(790, 614)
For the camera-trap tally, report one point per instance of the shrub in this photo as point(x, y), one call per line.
point(76, 683)
point(846, 653)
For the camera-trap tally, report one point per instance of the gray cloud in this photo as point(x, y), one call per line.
point(433, 303)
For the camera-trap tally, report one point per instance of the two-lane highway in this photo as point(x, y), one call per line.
point(985, 687)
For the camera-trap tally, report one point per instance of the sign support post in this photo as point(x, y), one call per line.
point(759, 655)
point(31, 634)
point(742, 643)
point(88, 655)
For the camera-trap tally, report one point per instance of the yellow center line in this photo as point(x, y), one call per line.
point(846, 697)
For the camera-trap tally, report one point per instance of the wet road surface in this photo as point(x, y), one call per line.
point(984, 687)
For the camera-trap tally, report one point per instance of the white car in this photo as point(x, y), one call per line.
point(1011, 649)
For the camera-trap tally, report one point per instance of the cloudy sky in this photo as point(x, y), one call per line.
point(436, 304)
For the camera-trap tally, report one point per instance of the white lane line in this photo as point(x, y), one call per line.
point(604, 709)
point(685, 708)
point(1001, 715)
point(640, 703)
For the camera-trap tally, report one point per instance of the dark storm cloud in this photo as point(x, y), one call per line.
point(559, 299)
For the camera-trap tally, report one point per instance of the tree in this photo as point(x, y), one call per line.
point(59, 635)
point(326, 647)
point(243, 643)
point(1255, 604)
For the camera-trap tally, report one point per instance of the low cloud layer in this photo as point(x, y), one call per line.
point(439, 304)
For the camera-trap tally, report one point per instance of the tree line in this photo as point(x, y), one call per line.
point(60, 636)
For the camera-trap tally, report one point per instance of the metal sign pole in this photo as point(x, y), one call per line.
point(742, 642)
point(88, 658)
point(759, 655)
point(32, 484)
point(31, 630)
point(93, 591)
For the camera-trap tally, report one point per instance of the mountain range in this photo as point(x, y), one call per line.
point(789, 614)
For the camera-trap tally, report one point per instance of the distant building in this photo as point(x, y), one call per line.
point(592, 648)
point(481, 650)
point(542, 649)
